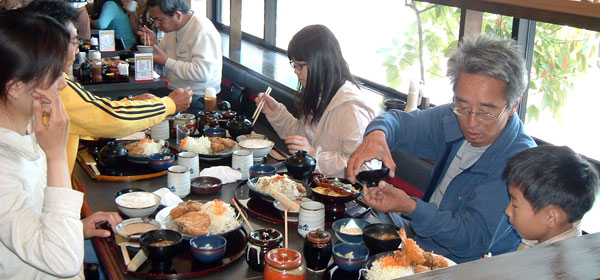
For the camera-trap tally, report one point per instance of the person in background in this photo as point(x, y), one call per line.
point(333, 111)
point(111, 16)
point(550, 188)
point(190, 50)
point(82, 24)
point(461, 214)
point(140, 17)
point(98, 116)
point(40, 229)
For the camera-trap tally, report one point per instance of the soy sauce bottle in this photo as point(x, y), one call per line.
point(317, 250)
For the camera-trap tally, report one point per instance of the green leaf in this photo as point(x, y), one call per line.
point(392, 73)
point(389, 60)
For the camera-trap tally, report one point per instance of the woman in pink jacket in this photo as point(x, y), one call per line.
point(333, 112)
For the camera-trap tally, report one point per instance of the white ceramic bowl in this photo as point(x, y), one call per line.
point(137, 204)
point(145, 49)
point(259, 147)
point(133, 228)
point(250, 136)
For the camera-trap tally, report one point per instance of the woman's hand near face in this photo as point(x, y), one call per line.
point(296, 143)
point(270, 103)
point(52, 136)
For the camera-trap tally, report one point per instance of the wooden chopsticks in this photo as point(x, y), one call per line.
point(260, 106)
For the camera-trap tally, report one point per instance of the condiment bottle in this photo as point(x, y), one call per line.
point(97, 71)
point(123, 71)
point(284, 263)
point(260, 242)
point(94, 43)
point(210, 99)
point(317, 250)
point(413, 96)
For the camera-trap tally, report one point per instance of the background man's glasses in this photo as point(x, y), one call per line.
point(482, 116)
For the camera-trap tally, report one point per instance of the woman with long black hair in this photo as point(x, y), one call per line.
point(333, 111)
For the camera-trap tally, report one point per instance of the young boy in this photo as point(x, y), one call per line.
point(551, 188)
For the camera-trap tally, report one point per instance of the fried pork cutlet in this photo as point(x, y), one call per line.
point(194, 223)
point(182, 208)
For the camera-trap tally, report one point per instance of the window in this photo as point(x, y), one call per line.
point(562, 100)
point(253, 16)
point(376, 52)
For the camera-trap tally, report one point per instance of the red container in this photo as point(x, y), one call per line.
point(284, 263)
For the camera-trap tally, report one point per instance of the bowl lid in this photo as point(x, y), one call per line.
point(284, 258)
point(301, 159)
point(265, 237)
point(318, 236)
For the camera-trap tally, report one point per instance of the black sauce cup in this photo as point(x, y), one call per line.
point(378, 245)
point(161, 255)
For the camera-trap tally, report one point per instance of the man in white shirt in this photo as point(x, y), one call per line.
point(190, 50)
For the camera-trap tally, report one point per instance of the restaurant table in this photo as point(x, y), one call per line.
point(576, 258)
point(118, 90)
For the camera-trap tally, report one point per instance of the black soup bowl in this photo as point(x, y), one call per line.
point(381, 238)
point(161, 245)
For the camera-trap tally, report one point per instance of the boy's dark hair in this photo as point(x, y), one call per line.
point(60, 10)
point(554, 175)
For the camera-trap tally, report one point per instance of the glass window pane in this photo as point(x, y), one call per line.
point(382, 45)
point(563, 88)
point(563, 94)
point(199, 6)
point(225, 12)
point(253, 16)
point(497, 25)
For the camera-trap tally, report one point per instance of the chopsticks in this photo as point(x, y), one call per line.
point(285, 222)
point(242, 214)
point(260, 106)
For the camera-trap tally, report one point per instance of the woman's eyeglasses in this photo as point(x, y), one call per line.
point(297, 66)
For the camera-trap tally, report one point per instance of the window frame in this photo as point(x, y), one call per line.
point(524, 22)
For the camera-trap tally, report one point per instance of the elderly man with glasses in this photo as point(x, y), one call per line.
point(190, 50)
point(461, 214)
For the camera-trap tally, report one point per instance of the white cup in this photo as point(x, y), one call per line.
point(178, 180)
point(160, 131)
point(242, 160)
point(132, 6)
point(191, 161)
point(311, 217)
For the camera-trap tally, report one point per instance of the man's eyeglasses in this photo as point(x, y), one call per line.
point(482, 116)
point(297, 66)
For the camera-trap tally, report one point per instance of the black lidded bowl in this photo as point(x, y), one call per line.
point(301, 165)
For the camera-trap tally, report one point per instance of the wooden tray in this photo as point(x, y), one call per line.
point(184, 263)
point(132, 172)
point(267, 212)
